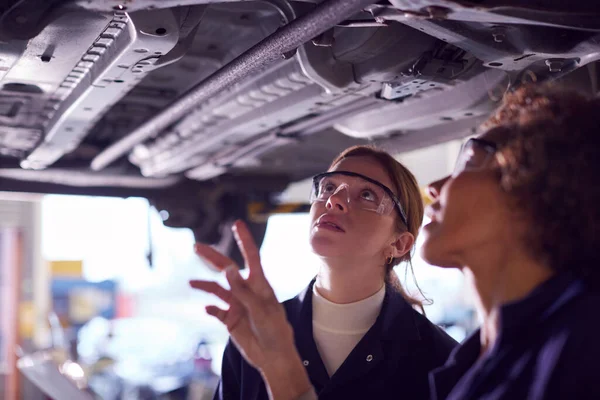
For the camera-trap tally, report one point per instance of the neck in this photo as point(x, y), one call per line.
point(501, 277)
point(348, 281)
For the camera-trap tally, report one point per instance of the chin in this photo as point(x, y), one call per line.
point(326, 247)
point(433, 254)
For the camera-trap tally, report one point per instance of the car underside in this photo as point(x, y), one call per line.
point(210, 109)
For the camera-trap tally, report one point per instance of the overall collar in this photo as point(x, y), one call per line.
point(395, 323)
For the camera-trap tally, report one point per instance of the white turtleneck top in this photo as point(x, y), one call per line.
point(337, 328)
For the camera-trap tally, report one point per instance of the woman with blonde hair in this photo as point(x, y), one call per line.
point(357, 333)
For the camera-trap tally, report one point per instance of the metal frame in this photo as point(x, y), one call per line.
point(117, 60)
point(581, 20)
point(279, 45)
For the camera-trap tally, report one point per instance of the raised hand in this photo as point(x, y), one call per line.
point(255, 319)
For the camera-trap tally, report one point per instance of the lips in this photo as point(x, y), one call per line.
point(329, 223)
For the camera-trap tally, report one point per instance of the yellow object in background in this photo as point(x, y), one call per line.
point(26, 319)
point(426, 199)
point(86, 303)
point(66, 269)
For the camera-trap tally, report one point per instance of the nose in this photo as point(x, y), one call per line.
point(434, 188)
point(338, 201)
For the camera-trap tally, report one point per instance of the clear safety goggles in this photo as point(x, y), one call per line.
point(475, 155)
point(358, 190)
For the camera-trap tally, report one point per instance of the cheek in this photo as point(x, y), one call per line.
point(472, 204)
point(370, 232)
point(316, 210)
point(322, 244)
point(472, 216)
point(369, 225)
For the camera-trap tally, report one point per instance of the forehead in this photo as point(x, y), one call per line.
point(367, 166)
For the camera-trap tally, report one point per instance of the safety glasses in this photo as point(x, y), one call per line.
point(475, 155)
point(358, 190)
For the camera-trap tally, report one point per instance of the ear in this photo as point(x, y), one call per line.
point(402, 244)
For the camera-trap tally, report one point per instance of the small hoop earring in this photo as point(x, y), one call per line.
point(390, 260)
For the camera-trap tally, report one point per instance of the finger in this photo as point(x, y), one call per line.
point(213, 288)
point(247, 246)
point(212, 256)
point(243, 293)
point(216, 312)
point(256, 278)
point(229, 318)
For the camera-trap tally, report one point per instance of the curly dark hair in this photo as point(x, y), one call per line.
point(549, 166)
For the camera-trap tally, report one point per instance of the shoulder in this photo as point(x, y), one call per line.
point(580, 324)
point(432, 335)
point(294, 307)
point(577, 319)
point(293, 303)
point(574, 340)
point(403, 322)
point(232, 357)
point(421, 346)
point(413, 331)
point(587, 302)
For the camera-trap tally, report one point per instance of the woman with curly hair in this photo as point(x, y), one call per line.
point(520, 216)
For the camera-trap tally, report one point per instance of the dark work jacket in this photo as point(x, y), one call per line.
point(547, 349)
point(391, 361)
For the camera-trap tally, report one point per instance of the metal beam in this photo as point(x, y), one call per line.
point(275, 47)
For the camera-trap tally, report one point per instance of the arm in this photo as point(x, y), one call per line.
point(256, 321)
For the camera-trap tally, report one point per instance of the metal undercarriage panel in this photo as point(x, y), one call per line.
point(157, 98)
